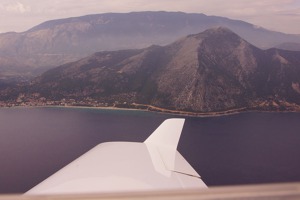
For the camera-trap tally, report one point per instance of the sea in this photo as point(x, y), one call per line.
point(237, 149)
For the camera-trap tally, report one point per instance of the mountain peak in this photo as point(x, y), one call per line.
point(219, 32)
point(218, 39)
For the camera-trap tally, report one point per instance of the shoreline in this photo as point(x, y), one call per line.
point(158, 110)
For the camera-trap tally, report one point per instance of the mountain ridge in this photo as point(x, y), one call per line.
point(64, 40)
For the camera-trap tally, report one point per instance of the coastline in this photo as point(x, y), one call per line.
point(150, 108)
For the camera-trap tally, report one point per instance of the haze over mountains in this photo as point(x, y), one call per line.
point(215, 70)
point(23, 55)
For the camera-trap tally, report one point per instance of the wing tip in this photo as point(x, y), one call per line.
point(168, 133)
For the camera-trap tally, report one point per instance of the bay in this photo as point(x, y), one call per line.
point(243, 148)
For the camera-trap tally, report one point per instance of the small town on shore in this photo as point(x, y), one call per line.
point(42, 101)
point(35, 100)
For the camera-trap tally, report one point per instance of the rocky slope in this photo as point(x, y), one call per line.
point(59, 41)
point(215, 70)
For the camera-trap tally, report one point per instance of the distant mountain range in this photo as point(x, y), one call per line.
point(52, 43)
point(292, 46)
point(212, 71)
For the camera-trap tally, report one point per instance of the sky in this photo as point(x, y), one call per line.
point(277, 15)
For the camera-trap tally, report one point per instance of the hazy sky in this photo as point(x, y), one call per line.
point(279, 15)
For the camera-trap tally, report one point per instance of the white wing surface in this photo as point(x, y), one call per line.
point(127, 167)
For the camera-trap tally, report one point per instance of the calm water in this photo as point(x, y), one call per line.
point(237, 149)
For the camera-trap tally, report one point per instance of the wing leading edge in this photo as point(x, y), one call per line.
point(127, 167)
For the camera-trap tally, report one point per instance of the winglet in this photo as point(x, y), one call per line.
point(167, 134)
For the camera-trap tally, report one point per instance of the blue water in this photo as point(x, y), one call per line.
point(236, 149)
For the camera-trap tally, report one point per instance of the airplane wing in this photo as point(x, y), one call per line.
point(154, 165)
